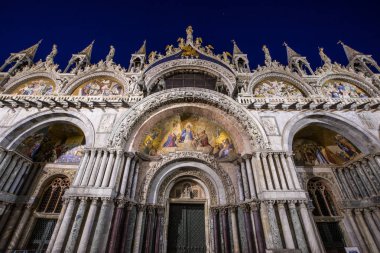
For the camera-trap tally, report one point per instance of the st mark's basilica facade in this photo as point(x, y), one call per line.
point(189, 151)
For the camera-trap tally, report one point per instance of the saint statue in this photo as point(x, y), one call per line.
point(189, 32)
point(111, 54)
point(268, 58)
point(50, 57)
point(326, 60)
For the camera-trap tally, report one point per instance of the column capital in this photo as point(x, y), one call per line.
point(292, 203)
point(214, 210)
point(281, 202)
point(263, 155)
point(270, 203)
point(246, 156)
point(254, 206)
point(141, 207)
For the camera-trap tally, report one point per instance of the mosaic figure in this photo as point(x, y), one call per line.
point(36, 87)
point(340, 89)
point(100, 87)
point(276, 89)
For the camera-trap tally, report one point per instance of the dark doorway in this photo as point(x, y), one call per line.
point(186, 231)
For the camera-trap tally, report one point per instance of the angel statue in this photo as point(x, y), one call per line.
point(268, 58)
point(209, 49)
point(169, 49)
point(198, 42)
point(326, 60)
point(181, 42)
point(189, 32)
point(226, 56)
point(111, 54)
point(152, 56)
point(50, 57)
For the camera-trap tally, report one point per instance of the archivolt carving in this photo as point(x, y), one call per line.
point(188, 172)
point(187, 156)
point(140, 112)
point(29, 75)
point(227, 75)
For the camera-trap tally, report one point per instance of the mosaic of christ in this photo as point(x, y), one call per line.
point(188, 132)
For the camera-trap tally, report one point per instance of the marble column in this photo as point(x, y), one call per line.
point(352, 185)
point(357, 180)
point(12, 176)
point(74, 234)
point(375, 168)
point(367, 236)
point(116, 167)
point(99, 243)
point(215, 220)
point(239, 179)
point(138, 229)
point(235, 230)
point(293, 172)
point(88, 226)
point(247, 194)
point(250, 177)
point(107, 175)
point(259, 233)
point(8, 171)
point(64, 228)
point(10, 226)
point(126, 173)
point(268, 178)
point(18, 179)
point(226, 230)
point(299, 233)
point(310, 233)
point(356, 231)
point(277, 243)
point(3, 153)
point(95, 170)
point(286, 231)
point(159, 227)
point(102, 169)
point(14, 243)
point(266, 226)
point(57, 226)
point(248, 228)
point(82, 168)
point(376, 215)
point(286, 172)
point(118, 220)
point(259, 173)
point(134, 183)
point(372, 226)
point(131, 178)
point(274, 172)
point(5, 162)
point(149, 229)
point(280, 171)
point(24, 179)
point(124, 230)
point(89, 168)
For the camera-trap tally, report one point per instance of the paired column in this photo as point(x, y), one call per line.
point(102, 227)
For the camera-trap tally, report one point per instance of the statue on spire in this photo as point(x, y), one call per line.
point(326, 60)
point(111, 54)
point(49, 61)
point(268, 58)
point(189, 32)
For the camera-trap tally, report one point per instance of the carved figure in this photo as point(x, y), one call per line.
point(181, 42)
point(226, 57)
point(324, 57)
point(152, 56)
point(268, 58)
point(50, 57)
point(209, 49)
point(169, 49)
point(111, 54)
point(189, 33)
point(198, 42)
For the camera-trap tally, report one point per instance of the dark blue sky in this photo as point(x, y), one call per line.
point(304, 25)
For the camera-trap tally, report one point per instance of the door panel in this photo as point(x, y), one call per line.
point(186, 228)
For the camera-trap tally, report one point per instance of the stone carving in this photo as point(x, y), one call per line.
point(326, 60)
point(111, 54)
point(270, 126)
point(106, 123)
point(180, 156)
point(268, 58)
point(276, 89)
point(9, 117)
point(50, 58)
point(342, 89)
point(367, 120)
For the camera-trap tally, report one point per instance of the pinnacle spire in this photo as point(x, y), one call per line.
point(31, 51)
point(349, 51)
point(236, 49)
point(142, 49)
point(88, 50)
point(290, 52)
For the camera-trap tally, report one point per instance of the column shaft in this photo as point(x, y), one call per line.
point(277, 243)
point(299, 232)
point(235, 231)
point(57, 226)
point(216, 231)
point(370, 242)
point(95, 171)
point(293, 172)
point(250, 178)
point(102, 169)
point(138, 228)
point(371, 224)
point(74, 234)
point(88, 226)
point(248, 229)
point(287, 172)
point(310, 233)
point(125, 230)
point(99, 242)
point(124, 181)
point(113, 245)
point(82, 168)
point(108, 173)
point(258, 228)
point(274, 172)
point(280, 171)
point(88, 168)
point(247, 194)
point(287, 233)
point(268, 178)
point(226, 238)
point(116, 168)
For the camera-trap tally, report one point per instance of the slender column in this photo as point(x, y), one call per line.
point(116, 168)
point(115, 231)
point(287, 172)
point(353, 187)
point(124, 181)
point(133, 193)
point(240, 184)
point(376, 215)
point(138, 228)
point(10, 226)
point(280, 171)
point(356, 231)
point(74, 234)
point(148, 230)
point(131, 178)
point(89, 168)
point(374, 166)
point(9, 170)
point(274, 172)
point(18, 179)
point(369, 177)
point(287, 233)
point(94, 172)
point(258, 227)
point(33, 174)
point(365, 179)
point(310, 233)
point(102, 168)
point(371, 224)
point(266, 226)
point(248, 228)
point(266, 171)
point(23, 179)
point(88, 226)
point(3, 153)
point(347, 229)
point(300, 238)
point(215, 219)
point(57, 226)
point(226, 238)
point(359, 183)
point(340, 182)
point(159, 226)
point(99, 242)
point(12, 177)
point(292, 170)
point(365, 231)
point(250, 177)
point(5, 162)
point(277, 243)
point(344, 183)
point(19, 230)
point(235, 230)
point(82, 167)
point(66, 222)
point(125, 231)
point(107, 175)
point(256, 168)
point(245, 180)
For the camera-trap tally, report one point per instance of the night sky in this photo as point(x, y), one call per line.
point(304, 25)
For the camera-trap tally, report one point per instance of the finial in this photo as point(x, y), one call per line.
point(284, 44)
point(340, 43)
